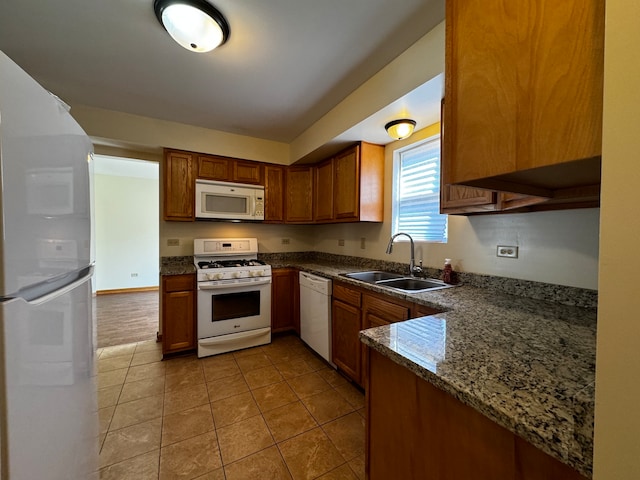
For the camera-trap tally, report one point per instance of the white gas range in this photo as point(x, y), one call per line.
point(234, 295)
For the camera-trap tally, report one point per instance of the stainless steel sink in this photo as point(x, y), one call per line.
point(413, 284)
point(397, 281)
point(372, 277)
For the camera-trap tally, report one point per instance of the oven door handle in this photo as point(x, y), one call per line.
point(266, 281)
point(234, 337)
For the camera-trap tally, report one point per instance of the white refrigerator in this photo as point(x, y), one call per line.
point(48, 421)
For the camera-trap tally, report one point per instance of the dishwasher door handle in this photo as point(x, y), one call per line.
point(313, 278)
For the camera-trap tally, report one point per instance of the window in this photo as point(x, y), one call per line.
point(416, 192)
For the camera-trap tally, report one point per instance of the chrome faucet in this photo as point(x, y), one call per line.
point(413, 270)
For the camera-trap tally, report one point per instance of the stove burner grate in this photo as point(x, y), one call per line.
point(230, 263)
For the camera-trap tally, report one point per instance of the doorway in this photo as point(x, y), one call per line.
point(126, 243)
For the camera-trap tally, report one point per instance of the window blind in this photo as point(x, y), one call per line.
point(416, 208)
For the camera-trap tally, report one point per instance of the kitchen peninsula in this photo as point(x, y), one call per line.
point(525, 364)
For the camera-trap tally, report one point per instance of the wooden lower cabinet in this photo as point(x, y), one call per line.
point(417, 431)
point(178, 313)
point(345, 326)
point(354, 310)
point(285, 300)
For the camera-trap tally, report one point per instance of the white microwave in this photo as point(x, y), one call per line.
point(229, 201)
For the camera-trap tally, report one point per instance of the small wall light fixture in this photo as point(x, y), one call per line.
point(400, 129)
point(195, 24)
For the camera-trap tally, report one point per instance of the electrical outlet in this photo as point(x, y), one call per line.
point(363, 241)
point(173, 242)
point(134, 274)
point(341, 242)
point(286, 241)
point(507, 251)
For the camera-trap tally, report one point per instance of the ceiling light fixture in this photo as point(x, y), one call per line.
point(400, 129)
point(195, 24)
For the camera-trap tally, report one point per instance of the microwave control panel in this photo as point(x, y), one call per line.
point(259, 206)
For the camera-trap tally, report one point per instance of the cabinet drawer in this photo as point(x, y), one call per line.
point(178, 283)
point(418, 310)
point(384, 309)
point(352, 297)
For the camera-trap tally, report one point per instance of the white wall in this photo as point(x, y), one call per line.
point(617, 419)
point(559, 247)
point(126, 225)
point(269, 236)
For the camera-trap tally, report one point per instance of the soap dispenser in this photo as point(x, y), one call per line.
point(447, 272)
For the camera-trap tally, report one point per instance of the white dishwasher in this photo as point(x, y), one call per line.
point(315, 313)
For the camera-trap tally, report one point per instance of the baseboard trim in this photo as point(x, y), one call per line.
point(127, 290)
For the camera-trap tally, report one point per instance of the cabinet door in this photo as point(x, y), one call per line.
point(418, 310)
point(480, 88)
point(346, 184)
point(214, 168)
point(346, 325)
point(323, 192)
point(178, 313)
point(179, 186)
point(454, 198)
point(560, 72)
point(283, 294)
point(436, 437)
point(299, 195)
point(534, 464)
point(247, 172)
point(528, 95)
point(274, 194)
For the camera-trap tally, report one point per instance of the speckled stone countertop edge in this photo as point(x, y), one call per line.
point(468, 398)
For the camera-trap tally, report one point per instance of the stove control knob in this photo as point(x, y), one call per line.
point(219, 276)
point(211, 276)
point(259, 273)
point(235, 274)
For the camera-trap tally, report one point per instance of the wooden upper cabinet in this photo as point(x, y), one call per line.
point(456, 199)
point(358, 184)
point(299, 194)
point(225, 169)
point(323, 192)
point(247, 172)
point(214, 168)
point(524, 104)
point(179, 186)
point(274, 191)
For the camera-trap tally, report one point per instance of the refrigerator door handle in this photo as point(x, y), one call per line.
point(45, 291)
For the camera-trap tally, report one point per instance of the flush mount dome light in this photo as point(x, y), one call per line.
point(194, 24)
point(400, 129)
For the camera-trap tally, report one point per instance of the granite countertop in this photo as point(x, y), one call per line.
point(528, 364)
point(177, 265)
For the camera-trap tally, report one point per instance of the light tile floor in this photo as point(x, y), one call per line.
point(270, 412)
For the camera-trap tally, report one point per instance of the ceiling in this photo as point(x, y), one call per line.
point(286, 63)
